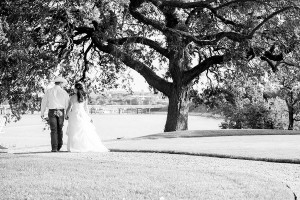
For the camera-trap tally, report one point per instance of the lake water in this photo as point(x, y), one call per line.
point(109, 126)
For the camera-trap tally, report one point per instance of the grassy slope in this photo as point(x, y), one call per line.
point(263, 145)
point(112, 175)
point(141, 176)
point(217, 133)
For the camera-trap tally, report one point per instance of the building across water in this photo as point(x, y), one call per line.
point(123, 109)
point(4, 109)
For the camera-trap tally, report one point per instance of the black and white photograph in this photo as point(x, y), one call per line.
point(149, 99)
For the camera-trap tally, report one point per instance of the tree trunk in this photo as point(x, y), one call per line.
point(179, 62)
point(291, 118)
point(289, 102)
point(177, 118)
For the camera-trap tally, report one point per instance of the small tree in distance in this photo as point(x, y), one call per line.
point(241, 103)
point(288, 89)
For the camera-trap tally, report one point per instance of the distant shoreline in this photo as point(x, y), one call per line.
point(208, 115)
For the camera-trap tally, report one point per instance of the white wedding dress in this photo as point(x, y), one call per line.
point(82, 134)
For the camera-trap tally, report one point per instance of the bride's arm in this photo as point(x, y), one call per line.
point(87, 109)
point(69, 108)
point(86, 106)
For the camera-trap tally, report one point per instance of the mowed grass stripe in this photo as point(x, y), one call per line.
point(219, 133)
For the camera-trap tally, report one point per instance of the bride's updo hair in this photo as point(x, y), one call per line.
point(81, 95)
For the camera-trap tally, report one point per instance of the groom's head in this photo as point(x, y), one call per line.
point(59, 83)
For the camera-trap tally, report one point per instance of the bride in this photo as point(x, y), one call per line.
point(82, 135)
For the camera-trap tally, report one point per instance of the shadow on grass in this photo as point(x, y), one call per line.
point(39, 152)
point(218, 133)
point(273, 160)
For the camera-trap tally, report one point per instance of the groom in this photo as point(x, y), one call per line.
point(56, 100)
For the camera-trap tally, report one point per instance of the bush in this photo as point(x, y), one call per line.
point(250, 116)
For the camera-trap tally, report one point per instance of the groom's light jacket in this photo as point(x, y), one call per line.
point(55, 98)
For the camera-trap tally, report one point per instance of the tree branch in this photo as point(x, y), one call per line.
point(141, 40)
point(190, 16)
point(83, 30)
point(181, 4)
point(213, 39)
point(152, 79)
point(189, 75)
point(196, 4)
point(210, 39)
point(235, 2)
point(223, 19)
point(134, 4)
point(86, 62)
point(268, 18)
point(82, 39)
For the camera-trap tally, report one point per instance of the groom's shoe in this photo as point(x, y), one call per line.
point(58, 148)
point(53, 150)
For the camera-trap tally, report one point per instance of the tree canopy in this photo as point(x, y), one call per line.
point(186, 38)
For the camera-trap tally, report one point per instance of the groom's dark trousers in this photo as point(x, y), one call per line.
point(56, 126)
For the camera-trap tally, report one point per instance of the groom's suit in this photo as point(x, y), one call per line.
point(56, 100)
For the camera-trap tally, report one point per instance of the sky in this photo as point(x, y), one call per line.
point(139, 83)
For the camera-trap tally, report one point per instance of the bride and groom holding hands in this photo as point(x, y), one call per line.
point(82, 134)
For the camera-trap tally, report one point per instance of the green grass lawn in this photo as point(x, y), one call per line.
point(140, 176)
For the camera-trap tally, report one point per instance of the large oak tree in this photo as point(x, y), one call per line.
point(23, 67)
point(134, 33)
